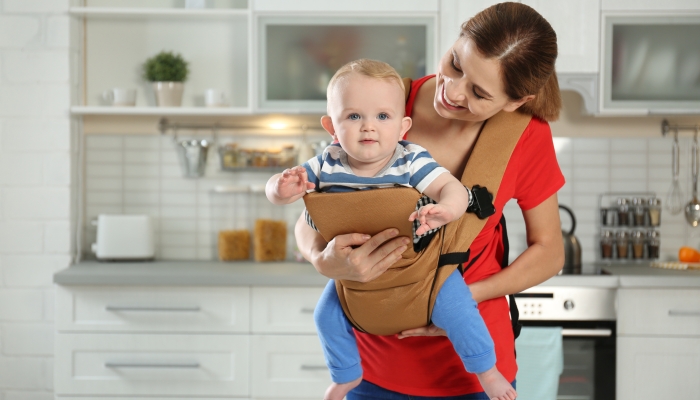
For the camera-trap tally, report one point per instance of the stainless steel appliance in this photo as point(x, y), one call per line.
point(587, 316)
point(572, 246)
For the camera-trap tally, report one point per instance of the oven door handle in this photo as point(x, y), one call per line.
point(587, 332)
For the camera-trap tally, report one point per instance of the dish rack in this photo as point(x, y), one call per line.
point(235, 158)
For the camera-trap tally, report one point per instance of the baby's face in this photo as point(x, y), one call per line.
point(368, 117)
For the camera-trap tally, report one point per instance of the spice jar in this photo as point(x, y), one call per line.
point(622, 241)
point(607, 241)
point(639, 209)
point(653, 244)
point(638, 241)
point(654, 209)
point(623, 210)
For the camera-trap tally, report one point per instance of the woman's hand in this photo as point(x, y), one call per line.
point(430, 330)
point(353, 257)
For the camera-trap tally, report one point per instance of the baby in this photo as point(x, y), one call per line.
point(366, 117)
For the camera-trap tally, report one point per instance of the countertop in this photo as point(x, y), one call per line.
point(215, 273)
point(644, 276)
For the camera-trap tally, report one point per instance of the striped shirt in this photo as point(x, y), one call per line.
point(410, 166)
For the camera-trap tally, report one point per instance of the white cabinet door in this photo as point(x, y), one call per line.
point(288, 367)
point(452, 14)
point(284, 310)
point(657, 368)
point(342, 5)
point(152, 309)
point(151, 365)
point(649, 5)
point(577, 24)
point(659, 312)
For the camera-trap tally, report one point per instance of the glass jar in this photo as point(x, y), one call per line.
point(638, 242)
point(622, 240)
point(639, 210)
point(607, 241)
point(653, 244)
point(623, 210)
point(230, 223)
point(654, 209)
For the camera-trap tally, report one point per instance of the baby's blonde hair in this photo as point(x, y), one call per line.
point(364, 66)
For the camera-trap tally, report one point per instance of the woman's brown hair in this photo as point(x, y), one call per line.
point(526, 46)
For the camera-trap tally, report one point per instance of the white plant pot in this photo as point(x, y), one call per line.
point(168, 94)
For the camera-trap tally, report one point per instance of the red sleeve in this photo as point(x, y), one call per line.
point(539, 175)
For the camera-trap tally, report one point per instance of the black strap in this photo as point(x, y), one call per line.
point(453, 258)
point(514, 313)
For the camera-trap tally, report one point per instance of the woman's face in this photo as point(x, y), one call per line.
point(469, 86)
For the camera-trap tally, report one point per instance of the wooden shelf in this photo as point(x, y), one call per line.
point(157, 111)
point(158, 12)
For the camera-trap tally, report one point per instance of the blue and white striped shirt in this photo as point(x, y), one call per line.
point(410, 166)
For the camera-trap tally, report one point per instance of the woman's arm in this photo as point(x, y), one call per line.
point(354, 256)
point(543, 258)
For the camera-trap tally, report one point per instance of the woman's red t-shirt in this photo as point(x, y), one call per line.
point(429, 366)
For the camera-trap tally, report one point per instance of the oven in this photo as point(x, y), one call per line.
point(587, 317)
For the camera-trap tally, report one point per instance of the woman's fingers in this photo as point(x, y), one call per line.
point(374, 255)
point(430, 330)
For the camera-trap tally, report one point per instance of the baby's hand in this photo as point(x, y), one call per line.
point(431, 216)
point(292, 182)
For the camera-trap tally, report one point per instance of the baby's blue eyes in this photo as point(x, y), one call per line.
point(354, 116)
point(382, 116)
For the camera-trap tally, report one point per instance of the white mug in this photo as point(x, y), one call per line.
point(120, 97)
point(214, 98)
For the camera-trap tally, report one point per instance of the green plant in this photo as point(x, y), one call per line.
point(166, 66)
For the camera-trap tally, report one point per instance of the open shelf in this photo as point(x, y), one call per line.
point(156, 111)
point(156, 12)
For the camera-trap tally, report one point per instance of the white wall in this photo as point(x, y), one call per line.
point(35, 188)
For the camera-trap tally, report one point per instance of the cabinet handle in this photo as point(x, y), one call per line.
point(112, 364)
point(166, 309)
point(307, 310)
point(587, 332)
point(683, 313)
point(305, 367)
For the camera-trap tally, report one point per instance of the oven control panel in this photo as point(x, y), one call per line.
point(566, 303)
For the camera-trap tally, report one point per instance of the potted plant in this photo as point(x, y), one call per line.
point(167, 71)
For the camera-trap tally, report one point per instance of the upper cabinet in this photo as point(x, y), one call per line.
point(364, 6)
point(649, 5)
point(297, 56)
point(651, 63)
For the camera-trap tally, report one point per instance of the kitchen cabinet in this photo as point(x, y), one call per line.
point(649, 5)
point(233, 342)
point(388, 6)
point(658, 343)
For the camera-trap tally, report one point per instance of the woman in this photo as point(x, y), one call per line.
point(502, 61)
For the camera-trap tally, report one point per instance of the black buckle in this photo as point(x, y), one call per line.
point(482, 205)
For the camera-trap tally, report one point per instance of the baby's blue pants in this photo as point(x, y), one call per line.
point(455, 311)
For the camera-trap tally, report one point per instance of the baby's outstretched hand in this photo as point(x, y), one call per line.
point(293, 181)
point(431, 216)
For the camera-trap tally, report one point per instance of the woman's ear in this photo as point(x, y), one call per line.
point(327, 124)
point(515, 104)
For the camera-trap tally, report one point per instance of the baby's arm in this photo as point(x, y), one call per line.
point(452, 198)
point(288, 186)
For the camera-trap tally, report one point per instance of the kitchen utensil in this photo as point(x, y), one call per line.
point(124, 237)
point(193, 155)
point(692, 210)
point(572, 246)
point(674, 198)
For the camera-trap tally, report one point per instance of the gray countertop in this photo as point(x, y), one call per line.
point(215, 273)
point(644, 276)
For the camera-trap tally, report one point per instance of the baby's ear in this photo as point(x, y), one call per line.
point(327, 124)
point(406, 123)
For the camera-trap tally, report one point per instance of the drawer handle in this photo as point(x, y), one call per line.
point(683, 313)
point(305, 367)
point(587, 332)
point(307, 310)
point(166, 309)
point(111, 364)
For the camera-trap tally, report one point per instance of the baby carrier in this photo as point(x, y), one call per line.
point(403, 296)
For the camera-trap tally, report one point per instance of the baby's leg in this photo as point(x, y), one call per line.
point(455, 311)
point(338, 343)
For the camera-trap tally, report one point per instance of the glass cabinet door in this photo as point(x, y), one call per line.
point(652, 63)
point(297, 57)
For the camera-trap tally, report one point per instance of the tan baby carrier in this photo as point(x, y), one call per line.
point(403, 296)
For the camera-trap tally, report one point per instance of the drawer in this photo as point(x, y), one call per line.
point(151, 365)
point(152, 309)
point(659, 312)
point(288, 367)
point(284, 310)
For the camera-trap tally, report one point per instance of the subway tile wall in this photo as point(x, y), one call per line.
point(142, 174)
